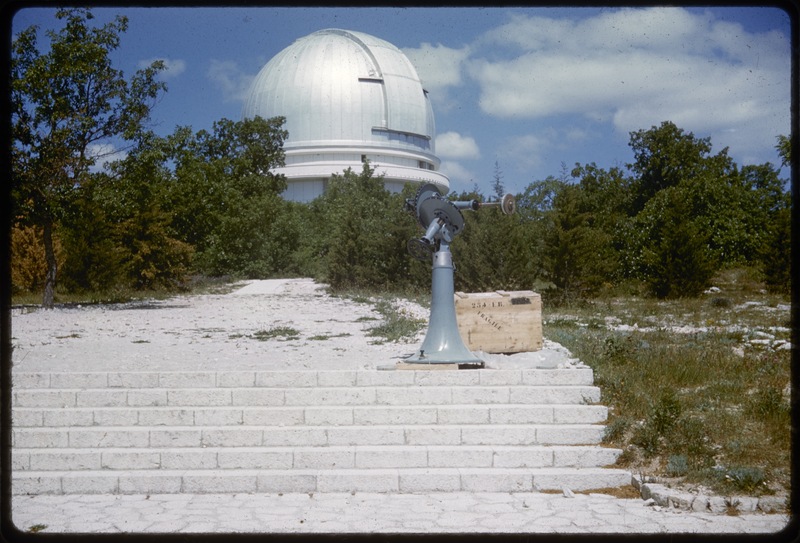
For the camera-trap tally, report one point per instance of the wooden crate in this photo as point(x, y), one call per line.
point(500, 322)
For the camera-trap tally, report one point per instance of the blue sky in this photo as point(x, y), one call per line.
point(527, 88)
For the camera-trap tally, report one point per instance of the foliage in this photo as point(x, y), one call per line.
point(63, 104)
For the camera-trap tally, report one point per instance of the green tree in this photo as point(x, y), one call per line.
point(666, 155)
point(63, 102)
point(676, 259)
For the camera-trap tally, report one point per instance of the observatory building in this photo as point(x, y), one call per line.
point(347, 97)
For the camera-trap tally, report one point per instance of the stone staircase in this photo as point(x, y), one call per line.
point(404, 431)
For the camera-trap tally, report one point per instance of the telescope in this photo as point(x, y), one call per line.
point(442, 221)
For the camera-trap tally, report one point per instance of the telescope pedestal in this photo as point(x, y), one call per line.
point(443, 343)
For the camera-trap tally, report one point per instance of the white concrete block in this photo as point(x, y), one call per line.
point(447, 378)
point(38, 438)
point(258, 396)
point(358, 481)
point(236, 379)
point(499, 480)
point(151, 483)
point(79, 380)
point(173, 437)
point(90, 483)
point(414, 396)
point(187, 379)
point(286, 482)
point(116, 417)
point(385, 378)
point(521, 414)
point(20, 460)
point(553, 377)
point(522, 457)
point(126, 460)
point(22, 380)
point(166, 417)
point(188, 458)
point(294, 436)
point(286, 379)
point(460, 457)
point(101, 398)
point(427, 480)
point(577, 434)
point(219, 482)
point(579, 414)
point(31, 417)
point(329, 416)
point(580, 479)
point(463, 414)
point(44, 398)
point(233, 437)
point(35, 483)
point(585, 457)
point(273, 416)
point(133, 380)
point(480, 395)
point(199, 396)
point(257, 458)
point(336, 378)
point(498, 435)
point(433, 435)
point(217, 416)
point(380, 415)
point(64, 460)
point(366, 435)
point(330, 396)
point(390, 457)
point(324, 458)
point(67, 417)
point(147, 397)
point(554, 395)
point(500, 377)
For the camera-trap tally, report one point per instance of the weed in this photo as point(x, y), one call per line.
point(285, 332)
point(323, 337)
point(36, 528)
point(677, 465)
point(396, 325)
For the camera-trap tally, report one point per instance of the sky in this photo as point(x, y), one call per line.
point(523, 93)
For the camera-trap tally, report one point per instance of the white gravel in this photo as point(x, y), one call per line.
point(215, 331)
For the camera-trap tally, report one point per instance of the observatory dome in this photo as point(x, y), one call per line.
point(347, 97)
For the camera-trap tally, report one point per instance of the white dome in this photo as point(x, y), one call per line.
point(347, 96)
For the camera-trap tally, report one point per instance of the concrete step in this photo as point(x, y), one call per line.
point(307, 396)
point(309, 431)
point(48, 417)
point(300, 379)
point(408, 480)
point(301, 457)
point(270, 436)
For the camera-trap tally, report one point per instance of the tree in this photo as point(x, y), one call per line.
point(665, 156)
point(497, 181)
point(63, 103)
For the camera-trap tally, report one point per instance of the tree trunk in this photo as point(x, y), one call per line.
point(52, 266)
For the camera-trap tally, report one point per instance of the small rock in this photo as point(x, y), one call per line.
point(681, 501)
point(700, 504)
point(649, 502)
point(772, 504)
point(568, 493)
point(744, 504)
point(717, 504)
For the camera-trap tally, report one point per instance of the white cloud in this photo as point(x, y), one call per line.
point(454, 145)
point(439, 68)
point(460, 177)
point(231, 80)
point(172, 67)
point(104, 154)
point(636, 68)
